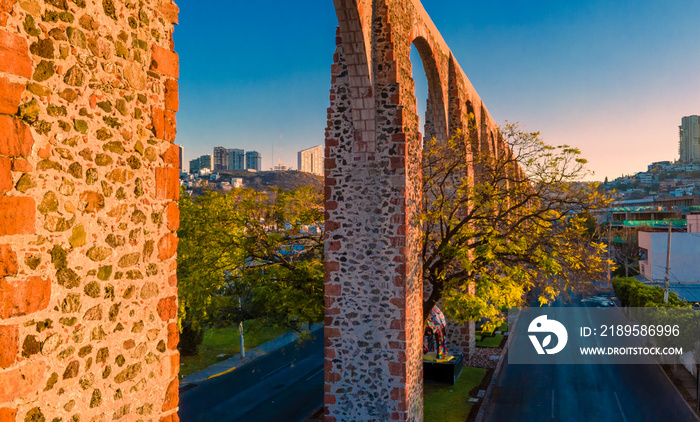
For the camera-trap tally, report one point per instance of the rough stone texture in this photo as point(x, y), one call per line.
point(7, 414)
point(15, 137)
point(8, 261)
point(21, 380)
point(10, 95)
point(14, 54)
point(9, 345)
point(373, 290)
point(81, 172)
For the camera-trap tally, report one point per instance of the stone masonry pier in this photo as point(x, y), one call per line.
point(374, 289)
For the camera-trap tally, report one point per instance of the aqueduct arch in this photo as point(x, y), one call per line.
point(374, 289)
point(88, 207)
point(435, 123)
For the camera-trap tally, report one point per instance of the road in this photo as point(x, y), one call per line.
point(625, 393)
point(286, 385)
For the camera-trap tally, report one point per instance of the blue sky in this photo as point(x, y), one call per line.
point(613, 78)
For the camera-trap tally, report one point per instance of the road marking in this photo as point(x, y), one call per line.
point(552, 403)
point(314, 374)
point(275, 371)
point(222, 373)
point(619, 405)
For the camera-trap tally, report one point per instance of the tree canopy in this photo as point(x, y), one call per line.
point(504, 217)
point(250, 255)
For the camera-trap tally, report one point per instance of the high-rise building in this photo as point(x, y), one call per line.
point(205, 162)
point(228, 159)
point(689, 144)
point(220, 159)
point(236, 159)
point(253, 160)
point(179, 149)
point(199, 164)
point(194, 166)
point(310, 160)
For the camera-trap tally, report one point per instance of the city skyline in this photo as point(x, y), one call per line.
point(225, 159)
point(612, 79)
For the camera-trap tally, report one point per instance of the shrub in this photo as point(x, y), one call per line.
point(632, 292)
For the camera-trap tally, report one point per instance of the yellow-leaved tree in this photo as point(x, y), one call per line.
point(504, 218)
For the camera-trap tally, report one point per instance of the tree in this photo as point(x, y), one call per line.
point(625, 250)
point(251, 255)
point(499, 223)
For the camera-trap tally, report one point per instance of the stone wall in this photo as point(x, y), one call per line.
point(374, 289)
point(88, 210)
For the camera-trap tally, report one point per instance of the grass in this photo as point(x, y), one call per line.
point(494, 341)
point(486, 333)
point(450, 403)
point(222, 343)
point(483, 332)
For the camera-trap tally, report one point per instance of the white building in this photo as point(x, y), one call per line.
point(685, 253)
point(253, 161)
point(682, 191)
point(310, 160)
point(645, 178)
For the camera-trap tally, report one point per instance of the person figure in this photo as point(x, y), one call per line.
point(434, 336)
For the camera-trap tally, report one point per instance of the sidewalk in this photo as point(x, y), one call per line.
point(685, 383)
point(486, 402)
point(234, 362)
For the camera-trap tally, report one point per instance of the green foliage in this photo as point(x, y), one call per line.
point(190, 338)
point(450, 403)
point(249, 255)
point(221, 343)
point(636, 295)
point(499, 222)
point(491, 342)
point(632, 292)
point(487, 331)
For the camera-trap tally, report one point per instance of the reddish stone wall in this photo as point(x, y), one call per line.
point(374, 292)
point(88, 211)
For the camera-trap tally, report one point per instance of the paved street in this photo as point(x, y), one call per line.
point(626, 393)
point(286, 385)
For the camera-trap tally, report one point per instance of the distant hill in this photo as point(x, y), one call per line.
point(287, 180)
point(265, 180)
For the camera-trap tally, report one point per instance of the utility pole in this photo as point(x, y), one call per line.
point(697, 367)
point(240, 330)
point(609, 249)
point(668, 263)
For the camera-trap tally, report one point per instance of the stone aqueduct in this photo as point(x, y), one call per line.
point(374, 292)
point(88, 208)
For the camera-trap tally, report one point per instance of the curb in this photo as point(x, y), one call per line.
point(489, 390)
point(235, 362)
point(697, 417)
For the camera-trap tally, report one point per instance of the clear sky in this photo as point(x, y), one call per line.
point(613, 78)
